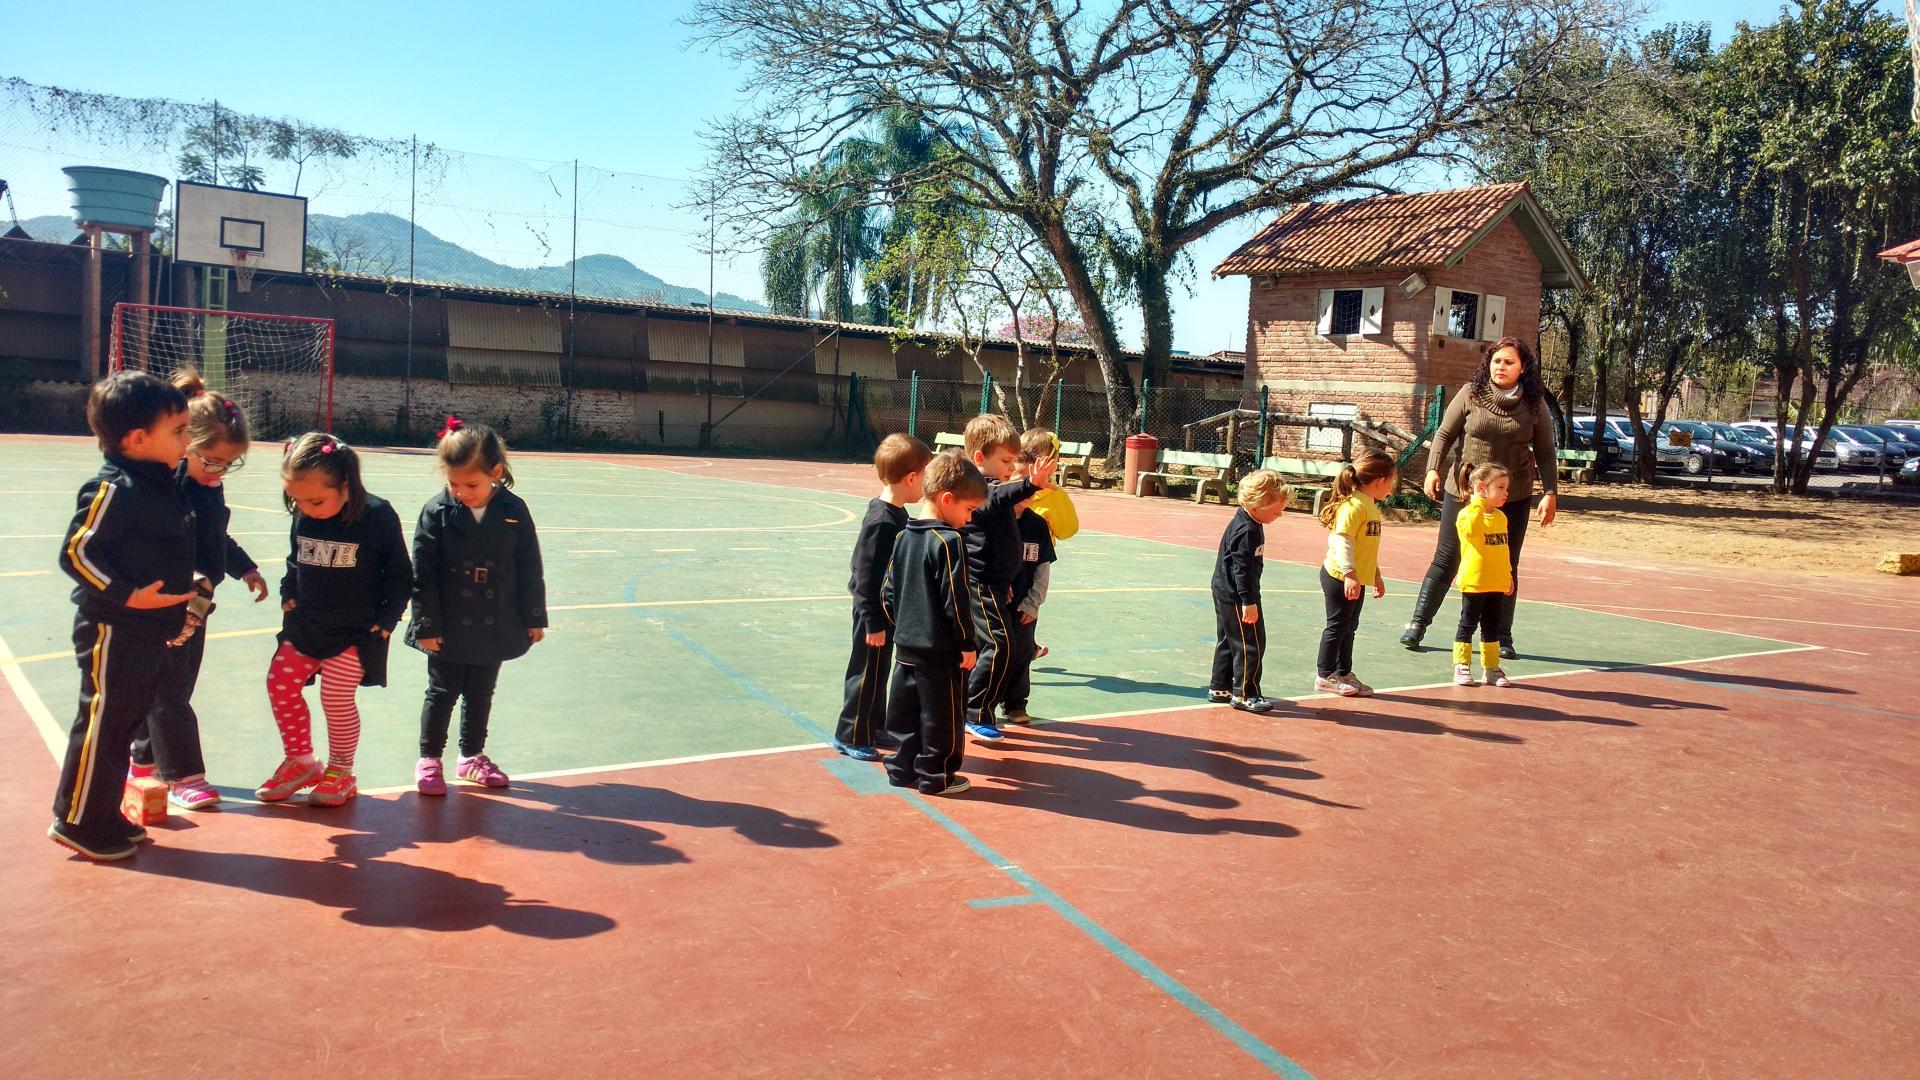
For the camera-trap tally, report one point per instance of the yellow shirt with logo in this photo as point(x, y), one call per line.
point(1485, 562)
point(1358, 523)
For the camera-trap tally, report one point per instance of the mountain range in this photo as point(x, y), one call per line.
point(377, 244)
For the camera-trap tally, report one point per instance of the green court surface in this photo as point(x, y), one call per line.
point(695, 616)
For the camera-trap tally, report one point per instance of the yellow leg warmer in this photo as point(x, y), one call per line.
point(1462, 652)
point(1489, 654)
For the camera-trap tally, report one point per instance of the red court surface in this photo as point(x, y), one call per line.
point(1688, 871)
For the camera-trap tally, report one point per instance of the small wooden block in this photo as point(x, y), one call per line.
point(144, 802)
point(1899, 562)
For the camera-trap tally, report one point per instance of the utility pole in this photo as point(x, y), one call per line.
point(573, 296)
point(706, 429)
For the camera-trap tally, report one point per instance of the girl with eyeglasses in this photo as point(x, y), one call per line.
point(167, 743)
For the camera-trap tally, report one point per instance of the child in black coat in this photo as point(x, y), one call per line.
point(479, 599)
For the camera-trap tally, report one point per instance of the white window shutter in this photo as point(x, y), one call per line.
point(1373, 310)
point(1493, 318)
point(1442, 310)
point(1326, 312)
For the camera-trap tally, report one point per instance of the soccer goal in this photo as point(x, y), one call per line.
point(278, 368)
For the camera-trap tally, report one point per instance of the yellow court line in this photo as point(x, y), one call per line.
point(26, 573)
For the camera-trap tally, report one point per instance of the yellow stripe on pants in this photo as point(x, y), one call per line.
point(83, 780)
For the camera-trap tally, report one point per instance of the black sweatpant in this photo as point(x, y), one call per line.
point(448, 682)
point(993, 615)
point(1238, 650)
point(863, 716)
point(1446, 563)
point(1343, 621)
point(119, 673)
point(169, 737)
point(1479, 611)
point(1019, 664)
point(925, 705)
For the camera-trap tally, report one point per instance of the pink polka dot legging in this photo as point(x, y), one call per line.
point(339, 677)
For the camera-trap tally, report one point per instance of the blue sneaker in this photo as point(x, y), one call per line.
point(985, 732)
point(857, 753)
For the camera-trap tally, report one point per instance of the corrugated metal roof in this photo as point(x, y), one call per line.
point(1384, 232)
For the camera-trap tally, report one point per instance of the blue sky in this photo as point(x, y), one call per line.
point(614, 84)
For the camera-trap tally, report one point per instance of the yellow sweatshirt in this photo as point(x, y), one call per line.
point(1354, 544)
point(1486, 565)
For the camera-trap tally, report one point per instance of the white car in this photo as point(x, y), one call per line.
point(1825, 458)
point(1859, 450)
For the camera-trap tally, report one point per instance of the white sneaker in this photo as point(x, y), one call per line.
point(1360, 689)
point(1335, 684)
point(1498, 677)
point(1463, 675)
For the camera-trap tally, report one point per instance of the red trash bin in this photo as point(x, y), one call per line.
point(1143, 453)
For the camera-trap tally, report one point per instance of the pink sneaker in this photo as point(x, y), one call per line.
point(481, 770)
point(193, 793)
point(429, 777)
point(290, 777)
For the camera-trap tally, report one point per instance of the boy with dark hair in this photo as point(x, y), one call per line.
point(901, 463)
point(1030, 581)
point(130, 552)
point(993, 557)
point(926, 592)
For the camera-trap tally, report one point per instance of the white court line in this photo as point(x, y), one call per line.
point(594, 770)
point(29, 698)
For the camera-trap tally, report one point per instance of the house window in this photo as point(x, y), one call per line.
point(1346, 312)
point(1463, 317)
point(1329, 440)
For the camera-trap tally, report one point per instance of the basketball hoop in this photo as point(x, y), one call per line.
point(243, 268)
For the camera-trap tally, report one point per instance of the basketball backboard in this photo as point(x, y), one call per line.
point(216, 225)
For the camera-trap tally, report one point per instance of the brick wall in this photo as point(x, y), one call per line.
point(1388, 377)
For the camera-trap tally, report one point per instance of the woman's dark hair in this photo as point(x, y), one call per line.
point(129, 401)
point(1531, 388)
point(473, 446)
point(317, 451)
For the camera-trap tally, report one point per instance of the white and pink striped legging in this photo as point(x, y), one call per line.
point(339, 677)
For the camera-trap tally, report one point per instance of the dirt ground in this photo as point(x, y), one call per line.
point(1821, 535)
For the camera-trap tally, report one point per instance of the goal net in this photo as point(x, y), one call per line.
point(277, 368)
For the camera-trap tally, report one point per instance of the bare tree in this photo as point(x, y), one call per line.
point(1127, 130)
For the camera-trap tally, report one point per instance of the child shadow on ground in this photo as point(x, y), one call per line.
point(378, 894)
point(600, 821)
point(1619, 697)
point(1037, 783)
point(1374, 716)
point(1111, 684)
point(1251, 767)
point(1690, 675)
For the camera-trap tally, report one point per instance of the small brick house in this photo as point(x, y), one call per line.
point(1368, 308)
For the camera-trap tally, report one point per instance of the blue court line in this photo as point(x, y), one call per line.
point(1266, 1055)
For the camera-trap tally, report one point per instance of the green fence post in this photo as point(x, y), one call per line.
point(1260, 450)
point(1146, 395)
point(913, 405)
point(986, 390)
point(1059, 395)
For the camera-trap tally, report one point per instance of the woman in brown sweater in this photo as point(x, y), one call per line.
point(1501, 417)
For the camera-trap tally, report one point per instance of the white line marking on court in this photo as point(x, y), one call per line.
point(672, 551)
point(1853, 652)
point(29, 698)
point(594, 551)
point(26, 573)
point(1616, 608)
point(594, 770)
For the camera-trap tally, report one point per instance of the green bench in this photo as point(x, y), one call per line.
point(948, 439)
point(1577, 465)
point(1321, 472)
point(1185, 462)
point(1076, 459)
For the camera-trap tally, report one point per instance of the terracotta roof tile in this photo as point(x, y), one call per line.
point(1400, 232)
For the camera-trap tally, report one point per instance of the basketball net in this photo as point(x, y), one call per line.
point(243, 269)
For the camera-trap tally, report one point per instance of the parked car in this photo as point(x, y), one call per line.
point(1621, 428)
point(1906, 440)
point(1827, 457)
point(1911, 427)
point(1909, 473)
point(1706, 452)
point(1612, 454)
point(1862, 449)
